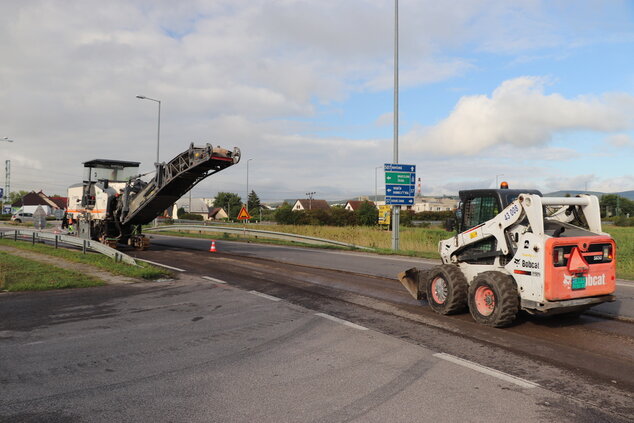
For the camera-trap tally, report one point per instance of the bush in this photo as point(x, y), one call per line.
point(624, 221)
point(341, 217)
point(434, 215)
point(190, 216)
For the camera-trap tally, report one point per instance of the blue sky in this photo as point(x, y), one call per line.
point(539, 91)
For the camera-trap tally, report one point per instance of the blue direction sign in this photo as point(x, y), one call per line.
point(396, 167)
point(400, 190)
point(399, 201)
point(1, 193)
point(400, 183)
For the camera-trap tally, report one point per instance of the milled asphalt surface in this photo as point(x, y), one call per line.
point(367, 264)
point(195, 351)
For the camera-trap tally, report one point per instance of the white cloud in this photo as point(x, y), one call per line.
point(253, 73)
point(519, 113)
point(620, 140)
point(386, 119)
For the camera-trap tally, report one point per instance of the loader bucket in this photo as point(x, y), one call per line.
point(411, 279)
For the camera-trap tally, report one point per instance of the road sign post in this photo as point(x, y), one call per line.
point(244, 216)
point(400, 184)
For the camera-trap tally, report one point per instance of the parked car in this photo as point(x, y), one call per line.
point(22, 217)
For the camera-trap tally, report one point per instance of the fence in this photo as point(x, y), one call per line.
point(56, 239)
point(256, 232)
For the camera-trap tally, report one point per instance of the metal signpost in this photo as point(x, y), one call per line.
point(400, 184)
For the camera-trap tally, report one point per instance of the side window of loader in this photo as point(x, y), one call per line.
point(479, 210)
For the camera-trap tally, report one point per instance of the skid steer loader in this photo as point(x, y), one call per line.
point(517, 250)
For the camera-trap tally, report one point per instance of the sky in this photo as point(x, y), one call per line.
point(536, 93)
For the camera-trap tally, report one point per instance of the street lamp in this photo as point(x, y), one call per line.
point(376, 189)
point(247, 199)
point(7, 183)
point(158, 133)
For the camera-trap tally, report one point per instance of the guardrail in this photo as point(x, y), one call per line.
point(255, 232)
point(84, 244)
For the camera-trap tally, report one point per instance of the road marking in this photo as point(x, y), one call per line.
point(487, 370)
point(625, 283)
point(268, 297)
point(35, 343)
point(343, 322)
point(209, 278)
point(162, 265)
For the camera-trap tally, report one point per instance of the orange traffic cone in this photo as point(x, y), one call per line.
point(212, 249)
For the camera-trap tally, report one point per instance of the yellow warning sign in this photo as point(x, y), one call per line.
point(244, 214)
point(384, 215)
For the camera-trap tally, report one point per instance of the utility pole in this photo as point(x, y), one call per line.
point(310, 199)
point(396, 210)
point(7, 179)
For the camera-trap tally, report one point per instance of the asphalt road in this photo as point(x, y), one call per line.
point(363, 263)
point(197, 351)
point(250, 333)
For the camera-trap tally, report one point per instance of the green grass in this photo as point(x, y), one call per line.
point(20, 274)
point(144, 270)
point(624, 237)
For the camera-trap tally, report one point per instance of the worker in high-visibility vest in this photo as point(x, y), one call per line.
point(71, 229)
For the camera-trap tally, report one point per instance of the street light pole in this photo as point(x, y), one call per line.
point(396, 209)
point(247, 199)
point(158, 132)
point(376, 186)
point(7, 176)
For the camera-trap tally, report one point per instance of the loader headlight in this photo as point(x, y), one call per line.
point(558, 256)
point(607, 252)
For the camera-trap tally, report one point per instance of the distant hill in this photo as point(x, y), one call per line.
point(626, 194)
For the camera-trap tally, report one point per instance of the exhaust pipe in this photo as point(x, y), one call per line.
point(414, 281)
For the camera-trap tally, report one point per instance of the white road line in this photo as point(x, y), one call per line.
point(487, 370)
point(343, 322)
point(209, 278)
point(268, 297)
point(162, 265)
point(625, 283)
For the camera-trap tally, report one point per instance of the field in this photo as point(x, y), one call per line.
point(423, 242)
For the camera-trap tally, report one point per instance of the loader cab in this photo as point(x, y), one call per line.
point(479, 205)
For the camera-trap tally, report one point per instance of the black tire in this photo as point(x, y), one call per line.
point(493, 299)
point(446, 289)
point(18, 221)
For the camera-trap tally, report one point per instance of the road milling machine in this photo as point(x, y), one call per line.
point(517, 250)
point(113, 202)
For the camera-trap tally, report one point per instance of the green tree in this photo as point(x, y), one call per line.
point(284, 215)
point(615, 205)
point(16, 195)
point(180, 212)
point(253, 203)
point(230, 202)
point(368, 214)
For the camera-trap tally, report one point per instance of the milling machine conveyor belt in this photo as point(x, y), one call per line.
point(174, 179)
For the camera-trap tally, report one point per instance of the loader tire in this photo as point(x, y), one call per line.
point(493, 299)
point(446, 289)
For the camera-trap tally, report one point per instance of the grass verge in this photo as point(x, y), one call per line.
point(143, 271)
point(21, 274)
